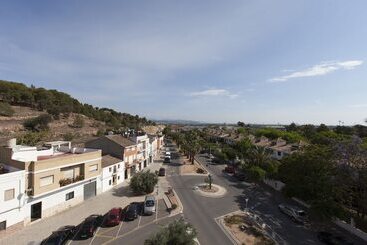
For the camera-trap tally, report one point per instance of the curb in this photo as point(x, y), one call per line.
point(178, 210)
point(220, 223)
point(222, 191)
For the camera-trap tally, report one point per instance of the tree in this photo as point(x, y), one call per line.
point(309, 175)
point(178, 233)
point(259, 156)
point(143, 182)
point(240, 124)
point(291, 127)
point(322, 128)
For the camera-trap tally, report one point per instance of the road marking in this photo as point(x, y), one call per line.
point(94, 235)
point(156, 210)
point(140, 218)
point(135, 229)
point(119, 228)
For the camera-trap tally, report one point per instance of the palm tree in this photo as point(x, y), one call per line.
point(259, 156)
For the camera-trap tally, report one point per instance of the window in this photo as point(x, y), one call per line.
point(118, 166)
point(118, 177)
point(68, 173)
point(93, 168)
point(48, 180)
point(69, 195)
point(109, 182)
point(110, 169)
point(9, 194)
point(279, 153)
point(3, 225)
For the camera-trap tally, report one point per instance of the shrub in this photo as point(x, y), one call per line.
point(143, 182)
point(6, 110)
point(38, 123)
point(174, 206)
point(233, 219)
point(256, 173)
point(78, 122)
point(200, 171)
point(32, 138)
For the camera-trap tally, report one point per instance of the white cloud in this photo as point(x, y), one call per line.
point(214, 92)
point(320, 70)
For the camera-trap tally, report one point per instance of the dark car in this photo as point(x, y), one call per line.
point(113, 217)
point(60, 236)
point(229, 169)
point(162, 172)
point(331, 239)
point(90, 225)
point(132, 211)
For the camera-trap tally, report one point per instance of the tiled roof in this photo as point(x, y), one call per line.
point(125, 142)
point(108, 160)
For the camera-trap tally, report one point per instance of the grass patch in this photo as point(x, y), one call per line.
point(233, 220)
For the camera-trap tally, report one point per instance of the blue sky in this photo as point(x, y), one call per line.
point(257, 61)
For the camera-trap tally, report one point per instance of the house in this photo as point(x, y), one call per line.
point(142, 142)
point(12, 198)
point(153, 147)
point(119, 147)
point(113, 171)
point(57, 176)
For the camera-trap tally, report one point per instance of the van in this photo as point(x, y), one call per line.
point(149, 205)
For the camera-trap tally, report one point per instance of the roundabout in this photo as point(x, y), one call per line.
point(216, 191)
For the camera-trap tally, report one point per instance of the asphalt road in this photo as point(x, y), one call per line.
point(202, 211)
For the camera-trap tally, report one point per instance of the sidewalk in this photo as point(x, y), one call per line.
point(119, 196)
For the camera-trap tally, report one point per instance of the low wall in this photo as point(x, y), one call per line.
point(351, 229)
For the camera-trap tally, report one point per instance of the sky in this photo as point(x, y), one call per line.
point(256, 61)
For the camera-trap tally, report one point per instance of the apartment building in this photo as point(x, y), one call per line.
point(113, 172)
point(12, 197)
point(142, 142)
point(57, 176)
point(119, 147)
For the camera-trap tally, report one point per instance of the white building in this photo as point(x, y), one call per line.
point(142, 142)
point(58, 176)
point(113, 172)
point(12, 197)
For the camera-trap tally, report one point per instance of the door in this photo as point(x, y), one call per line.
point(90, 190)
point(36, 211)
point(145, 163)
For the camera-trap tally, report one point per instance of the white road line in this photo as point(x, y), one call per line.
point(94, 235)
point(118, 232)
point(156, 210)
point(140, 218)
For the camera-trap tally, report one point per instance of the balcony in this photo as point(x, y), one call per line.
point(68, 181)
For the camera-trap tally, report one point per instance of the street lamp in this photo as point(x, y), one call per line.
point(246, 203)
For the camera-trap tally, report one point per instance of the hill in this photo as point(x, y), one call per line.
point(20, 104)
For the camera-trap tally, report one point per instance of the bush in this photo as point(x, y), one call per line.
point(143, 182)
point(256, 173)
point(32, 138)
point(178, 232)
point(6, 110)
point(38, 123)
point(174, 206)
point(233, 220)
point(200, 171)
point(78, 122)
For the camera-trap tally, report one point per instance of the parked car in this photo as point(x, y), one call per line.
point(90, 225)
point(149, 205)
point(131, 212)
point(60, 236)
point(162, 172)
point(296, 214)
point(229, 169)
point(331, 239)
point(113, 217)
point(167, 159)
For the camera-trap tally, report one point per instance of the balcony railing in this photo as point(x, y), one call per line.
point(68, 181)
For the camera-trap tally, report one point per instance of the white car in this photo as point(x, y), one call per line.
point(149, 205)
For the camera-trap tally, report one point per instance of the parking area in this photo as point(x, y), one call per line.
point(106, 234)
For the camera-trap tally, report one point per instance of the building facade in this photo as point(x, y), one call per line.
point(113, 172)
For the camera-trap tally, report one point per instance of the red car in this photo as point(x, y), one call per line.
point(113, 217)
point(229, 169)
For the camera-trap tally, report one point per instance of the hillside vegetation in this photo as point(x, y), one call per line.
point(56, 103)
point(34, 115)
